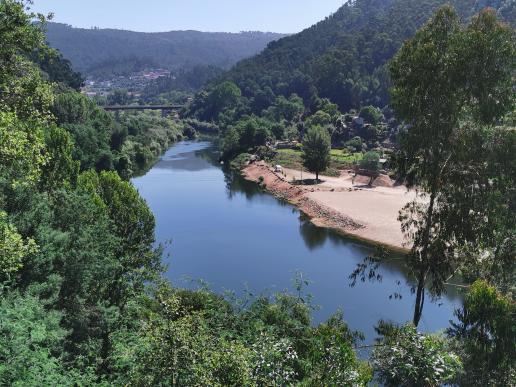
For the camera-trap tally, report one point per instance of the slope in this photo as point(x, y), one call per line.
point(111, 52)
point(344, 57)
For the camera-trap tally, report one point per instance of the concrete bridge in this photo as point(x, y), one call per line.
point(165, 109)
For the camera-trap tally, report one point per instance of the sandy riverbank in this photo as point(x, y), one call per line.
point(343, 203)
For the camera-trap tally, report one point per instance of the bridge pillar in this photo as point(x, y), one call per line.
point(165, 113)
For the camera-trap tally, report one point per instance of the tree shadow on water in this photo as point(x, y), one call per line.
point(313, 236)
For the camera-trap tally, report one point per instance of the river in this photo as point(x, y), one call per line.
point(225, 231)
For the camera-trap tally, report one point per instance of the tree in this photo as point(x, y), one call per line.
point(60, 169)
point(119, 97)
point(22, 89)
point(57, 68)
point(230, 143)
point(435, 98)
point(316, 150)
point(21, 151)
point(335, 362)
point(485, 336)
point(371, 114)
point(285, 109)
point(320, 118)
point(13, 249)
point(404, 357)
point(246, 133)
point(371, 164)
point(223, 96)
point(31, 344)
point(355, 143)
point(133, 222)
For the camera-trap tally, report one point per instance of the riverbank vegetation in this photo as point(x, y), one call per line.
point(127, 144)
point(83, 300)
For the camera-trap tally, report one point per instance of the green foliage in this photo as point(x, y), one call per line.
point(320, 118)
point(60, 168)
point(197, 338)
point(405, 357)
point(89, 126)
point(31, 344)
point(292, 158)
point(446, 106)
point(490, 96)
point(22, 89)
point(13, 249)
point(187, 79)
point(100, 143)
point(285, 109)
point(335, 362)
point(132, 219)
point(371, 114)
point(148, 136)
point(82, 301)
point(316, 150)
point(240, 161)
point(486, 336)
point(245, 134)
point(355, 143)
point(371, 162)
point(57, 68)
point(21, 150)
point(222, 97)
point(343, 58)
point(119, 97)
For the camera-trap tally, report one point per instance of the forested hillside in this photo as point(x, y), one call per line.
point(108, 52)
point(344, 58)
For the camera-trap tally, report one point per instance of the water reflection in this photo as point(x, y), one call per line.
point(181, 159)
point(313, 236)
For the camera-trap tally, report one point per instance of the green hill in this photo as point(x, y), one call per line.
point(105, 52)
point(344, 57)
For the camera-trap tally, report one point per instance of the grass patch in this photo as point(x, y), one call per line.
point(339, 160)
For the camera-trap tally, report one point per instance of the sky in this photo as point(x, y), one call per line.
point(286, 16)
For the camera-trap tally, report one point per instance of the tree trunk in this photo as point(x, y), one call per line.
point(316, 177)
point(425, 264)
point(420, 299)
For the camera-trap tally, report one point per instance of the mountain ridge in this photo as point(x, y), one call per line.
point(344, 57)
point(93, 51)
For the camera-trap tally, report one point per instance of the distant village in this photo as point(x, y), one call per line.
point(133, 83)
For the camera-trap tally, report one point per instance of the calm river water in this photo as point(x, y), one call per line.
point(225, 231)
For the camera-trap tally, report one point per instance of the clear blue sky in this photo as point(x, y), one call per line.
point(203, 15)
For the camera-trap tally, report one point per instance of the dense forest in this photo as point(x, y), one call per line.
point(326, 75)
point(182, 82)
point(344, 57)
point(104, 53)
point(82, 296)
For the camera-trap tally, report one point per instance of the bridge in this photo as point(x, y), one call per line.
point(165, 109)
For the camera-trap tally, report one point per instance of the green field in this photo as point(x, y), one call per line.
point(339, 160)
